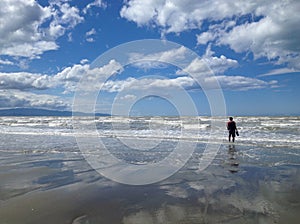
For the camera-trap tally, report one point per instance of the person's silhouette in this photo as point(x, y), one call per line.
point(231, 127)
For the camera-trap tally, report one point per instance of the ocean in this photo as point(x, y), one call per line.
point(149, 170)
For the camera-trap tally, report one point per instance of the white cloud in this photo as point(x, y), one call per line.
point(205, 37)
point(15, 87)
point(279, 71)
point(251, 36)
point(94, 78)
point(70, 37)
point(218, 64)
point(16, 98)
point(68, 15)
point(169, 55)
point(128, 97)
point(145, 84)
point(180, 15)
point(90, 39)
point(276, 36)
point(67, 78)
point(24, 81)
point(6, 62)
point(221, 64)
point(209, 65)
point(28, 29)
point(215, 31)
point(70, 77)
point(238, 83)
point(95, 3)
point(175, 56)
point(89, 35)
point(91, 32)
point(84, 61)
point(30, 50)
point(234, 83)
point(149, 64)
point(196, 68)
point(267, 29)
point(139, 11)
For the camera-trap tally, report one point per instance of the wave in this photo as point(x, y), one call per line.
point(267, 131)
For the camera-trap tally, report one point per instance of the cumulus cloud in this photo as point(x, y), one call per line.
point(148, 84)
point(25, 81)
point(215, 31)
point(209, 65)
point(199, 66)
point(68, 78)
point(94, 78)
point(235, 83)
point(266, 29)
point(177, 16)
point(28, 29)
point(205, 37)
point(15, 87)
point(17, 98)
point(276, 36)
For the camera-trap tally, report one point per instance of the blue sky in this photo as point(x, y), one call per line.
point(251, 48)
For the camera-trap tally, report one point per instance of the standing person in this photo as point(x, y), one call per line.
point(231, 127)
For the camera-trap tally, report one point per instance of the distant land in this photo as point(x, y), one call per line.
point(42, 112)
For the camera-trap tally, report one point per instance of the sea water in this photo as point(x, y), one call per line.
point(45, 177)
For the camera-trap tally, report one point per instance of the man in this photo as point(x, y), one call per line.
point(231, 127)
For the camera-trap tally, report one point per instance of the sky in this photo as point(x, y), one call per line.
point(247, 51)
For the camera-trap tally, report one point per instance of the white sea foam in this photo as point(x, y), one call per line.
point(268, 131)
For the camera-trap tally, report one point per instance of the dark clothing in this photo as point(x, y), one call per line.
point(231, 127)
point(232, 133)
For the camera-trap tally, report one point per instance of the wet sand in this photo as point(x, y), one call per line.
point(235, 188)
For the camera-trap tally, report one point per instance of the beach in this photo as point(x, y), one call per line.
point(45, 177)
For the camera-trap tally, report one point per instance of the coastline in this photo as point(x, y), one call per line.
point(45, 178)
